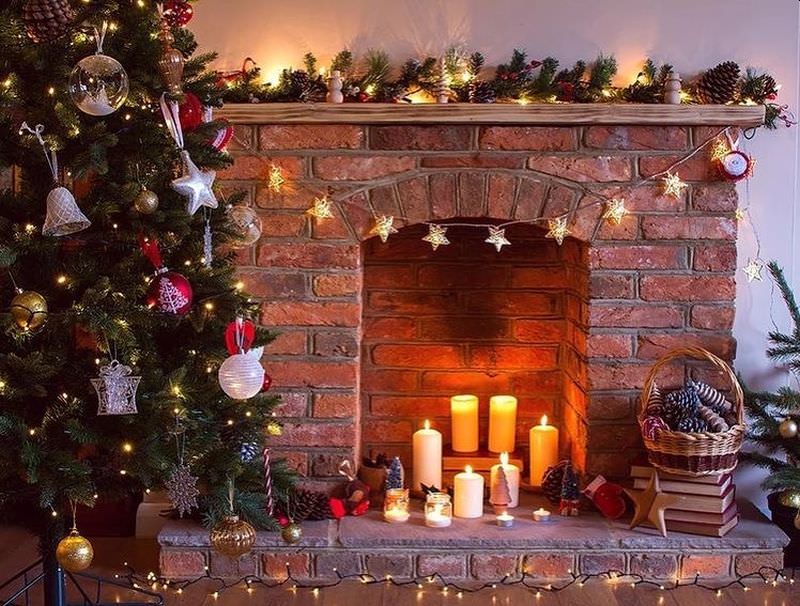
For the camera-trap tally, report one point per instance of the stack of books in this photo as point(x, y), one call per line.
point(707, 503)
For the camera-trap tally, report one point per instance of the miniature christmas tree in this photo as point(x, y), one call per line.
point(394, 479)
point(501, 493)
point(570, 493)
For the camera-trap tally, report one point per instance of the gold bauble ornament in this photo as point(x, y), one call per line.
point(292, 533)
point(233, 537)
point(790, 498)
point(29, 310)
point(74, 552)
point(146, 202)
point(788, 428)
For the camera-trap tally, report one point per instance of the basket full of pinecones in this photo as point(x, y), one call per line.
point(696, 430)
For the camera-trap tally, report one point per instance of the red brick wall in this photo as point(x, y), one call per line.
point(467, 319)
point(664, 277)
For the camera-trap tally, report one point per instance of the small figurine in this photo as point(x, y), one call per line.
point(335, 88)
point(672, 89)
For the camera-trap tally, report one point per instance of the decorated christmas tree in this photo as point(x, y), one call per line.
point(773, 417)
point(109, 371)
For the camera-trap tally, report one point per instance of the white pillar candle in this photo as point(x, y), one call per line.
point(427, 453)
point(464, 422)
point(468, 494)
point(502, 423)
point(512, 476)
point(544, 449)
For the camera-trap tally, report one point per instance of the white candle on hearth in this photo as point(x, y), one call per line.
point(427, 451)
point(464, 422)
point(502, 423)
point(468, 494)
point(512, 476)
point(544, 449)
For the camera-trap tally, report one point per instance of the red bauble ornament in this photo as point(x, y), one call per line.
point(267, 382)
point(177, 13)
point(190, 112)
point(170, 293)
point(607, 497)
point(363, 97)
point(735, 165)
point(224, 134)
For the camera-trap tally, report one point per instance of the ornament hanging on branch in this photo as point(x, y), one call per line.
point(241, 375)
point(224, 134)
point(28, 309)
point(171, 63)
point(247, 224)
point(269, 500)
point(788, 429)
point(98, 85)
point(146, 201)
point(182, 484)
point(190, 112)
point(116, 390)
point(177, 13)
point(170, 292)
point(63, 215)
point(74, 553)
point(47, 20)
point(732, 163)
point(232, 536)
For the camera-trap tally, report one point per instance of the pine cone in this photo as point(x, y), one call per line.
point(718, 84)
point(679, 406)
point(481, 91)
point(692, 425)
point(310, 505)
point(551, 483)
point(47, 20)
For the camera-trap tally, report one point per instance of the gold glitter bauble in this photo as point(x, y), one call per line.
point(292, 533)
point(233, 537)
point(146, 202)
point(74, 553)
point(788, 428)
point(29, 310)
point(790, 498)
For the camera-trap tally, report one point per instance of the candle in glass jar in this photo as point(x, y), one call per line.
point(544, 449)
point(502, 423)
point(427, 451)
point(468, 494)
point(464, 422)
point(396, 515)
point(512, 477)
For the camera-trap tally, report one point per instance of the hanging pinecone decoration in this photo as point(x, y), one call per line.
point(718, 84)
point(47, 20)
point(680, 408)
point(310, 505)
point(481, 91)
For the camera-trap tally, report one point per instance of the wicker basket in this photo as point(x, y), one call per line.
point(695, 454)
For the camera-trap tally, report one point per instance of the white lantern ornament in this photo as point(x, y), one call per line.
point(241, 375)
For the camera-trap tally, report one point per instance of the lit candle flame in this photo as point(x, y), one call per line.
point(427, 424)
point(543, 420)
point(503, 458)
point(468, 469)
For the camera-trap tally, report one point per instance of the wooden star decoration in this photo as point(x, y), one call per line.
point(195, 184)
point(321, 209)
point(276, 179)
point(673, 186)
point(436, 236)
point(753, 270)
point(615, 211)
point(558, 229)
point(661, 503)
point(383, 228)
point(643, 500)
point(497, 238)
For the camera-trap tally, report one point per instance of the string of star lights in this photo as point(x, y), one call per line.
point(765, 574)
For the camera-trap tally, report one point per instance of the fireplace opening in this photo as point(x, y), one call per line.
point(468, 319)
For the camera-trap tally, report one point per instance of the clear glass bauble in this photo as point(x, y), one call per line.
point(98, 85)
point(247, 224)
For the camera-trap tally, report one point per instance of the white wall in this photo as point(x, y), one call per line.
point(692, 34)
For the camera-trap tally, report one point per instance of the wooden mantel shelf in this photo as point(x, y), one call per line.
point(499, 113)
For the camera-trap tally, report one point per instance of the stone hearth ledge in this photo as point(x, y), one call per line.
point(366, 544)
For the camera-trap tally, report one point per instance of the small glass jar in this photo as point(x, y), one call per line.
point(395, 505)
point(438, 510)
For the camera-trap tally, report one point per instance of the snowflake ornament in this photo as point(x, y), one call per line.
point(182, 489)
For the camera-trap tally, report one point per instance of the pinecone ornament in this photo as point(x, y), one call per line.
point(47, 20)
point(552, 481)
point(310, 505)
point(718, 84)
point(481, 91)
point(692, 425)
point(681, 406)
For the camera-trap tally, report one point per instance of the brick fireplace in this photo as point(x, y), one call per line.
point(374, 338)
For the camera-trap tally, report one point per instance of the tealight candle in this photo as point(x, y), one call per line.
point(396, 514)
point(541, 515)
point(505, 520)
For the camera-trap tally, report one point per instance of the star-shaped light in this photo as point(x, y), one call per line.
point(436, 236)
point(195, 184)
point(383, 228)
point(558, 229)
point(739, 214)
point(497, 237)
point(753, 270)
point(276, 179)
point(321, 209)
point(673, 186)
point(615, 211)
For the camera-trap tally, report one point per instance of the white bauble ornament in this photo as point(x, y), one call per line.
point(241, 376)
point(98, 85)
point(247, 224)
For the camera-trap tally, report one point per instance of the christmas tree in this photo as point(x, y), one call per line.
point(773, 416)
point(55, 450)
point(394, 477)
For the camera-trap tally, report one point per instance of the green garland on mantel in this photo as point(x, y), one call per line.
point(461, 76)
